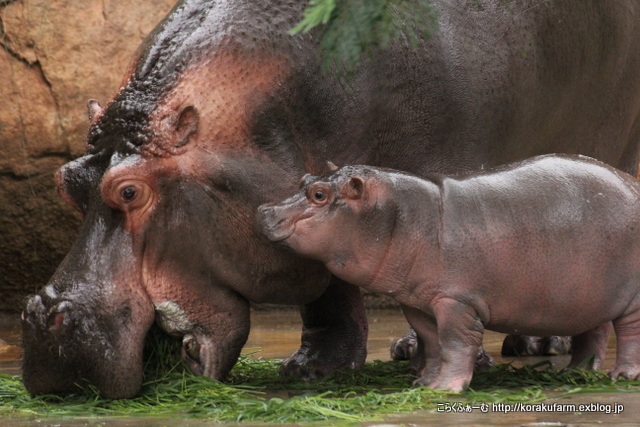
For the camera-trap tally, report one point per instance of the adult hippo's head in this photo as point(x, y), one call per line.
point(176, 165)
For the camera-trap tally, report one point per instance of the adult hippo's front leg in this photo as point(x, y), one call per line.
point(334, 333)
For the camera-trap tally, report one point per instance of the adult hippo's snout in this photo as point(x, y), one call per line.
point(77, 344)
point(89, 323)
point(55, 319)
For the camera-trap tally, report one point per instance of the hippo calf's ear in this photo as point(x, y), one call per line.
point(332, 166)
point(186, 125)
point(354, 188)
point(95, 110)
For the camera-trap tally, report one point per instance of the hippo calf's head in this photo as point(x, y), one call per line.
point(323, 215)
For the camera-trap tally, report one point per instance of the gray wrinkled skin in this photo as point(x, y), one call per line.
point(222, 110)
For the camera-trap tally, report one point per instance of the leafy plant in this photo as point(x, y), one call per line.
point(356, 29)
point(256, 392)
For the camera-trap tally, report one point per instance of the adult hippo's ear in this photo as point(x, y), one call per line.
point(186, 125)
point(95, 110)
point(332, 166)
point(174, 131)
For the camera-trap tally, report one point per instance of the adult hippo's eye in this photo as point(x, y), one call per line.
point(128, 194)
point(134, 195)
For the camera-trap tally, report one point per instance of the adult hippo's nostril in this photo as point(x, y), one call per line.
point(57, 321)
point(191, 347)
point(58, 316)
point(46, 313)
point(191, 354)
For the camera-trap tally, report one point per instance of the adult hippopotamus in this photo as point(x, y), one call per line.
point(221, 110)
point(549, 245)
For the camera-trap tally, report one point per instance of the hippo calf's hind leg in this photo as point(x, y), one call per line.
point(591, 344)
point(406, 346)
point(627, 348)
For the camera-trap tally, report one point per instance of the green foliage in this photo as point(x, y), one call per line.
point(318, 12)
point(356, 29)
point(255, 392)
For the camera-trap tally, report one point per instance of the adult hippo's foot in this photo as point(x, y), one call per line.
point(524, 345)
point(405, 348)
point(334, 334)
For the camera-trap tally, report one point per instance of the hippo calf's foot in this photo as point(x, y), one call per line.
point(628, 371)
point(456, 385)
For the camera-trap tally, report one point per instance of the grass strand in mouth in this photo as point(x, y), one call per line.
point(255, 391)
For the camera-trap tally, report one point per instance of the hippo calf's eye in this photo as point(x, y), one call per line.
point(319, 196)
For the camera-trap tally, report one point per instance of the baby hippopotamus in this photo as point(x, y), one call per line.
point(546, 246)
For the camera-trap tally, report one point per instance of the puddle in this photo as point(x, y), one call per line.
point(10, 350)
point(276, 334)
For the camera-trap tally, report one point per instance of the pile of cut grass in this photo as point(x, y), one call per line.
point(352, 396)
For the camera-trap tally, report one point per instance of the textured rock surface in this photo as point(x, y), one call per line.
point(54, 56)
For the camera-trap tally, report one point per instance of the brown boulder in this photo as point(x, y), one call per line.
point(54, 56)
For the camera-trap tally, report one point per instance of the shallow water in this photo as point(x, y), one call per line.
point(277, 335)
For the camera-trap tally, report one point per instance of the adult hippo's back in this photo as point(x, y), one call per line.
point(221, 111)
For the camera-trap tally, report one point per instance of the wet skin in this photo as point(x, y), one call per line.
point(214, 118)
point(550, 245)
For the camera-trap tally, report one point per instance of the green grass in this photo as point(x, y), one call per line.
point(249, 395)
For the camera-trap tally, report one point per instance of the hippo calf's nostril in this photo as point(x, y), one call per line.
point(264, 212)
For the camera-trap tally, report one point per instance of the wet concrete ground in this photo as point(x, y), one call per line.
point(277, 335)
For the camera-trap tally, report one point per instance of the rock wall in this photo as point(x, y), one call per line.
point(54, 56)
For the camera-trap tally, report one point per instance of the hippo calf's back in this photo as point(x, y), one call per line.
point(556, 235)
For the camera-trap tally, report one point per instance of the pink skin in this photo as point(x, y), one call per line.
point(452, 251)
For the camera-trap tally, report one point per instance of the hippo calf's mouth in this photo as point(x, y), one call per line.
point(276, 226)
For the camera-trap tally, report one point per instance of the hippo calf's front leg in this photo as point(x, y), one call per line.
point(460, 336)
